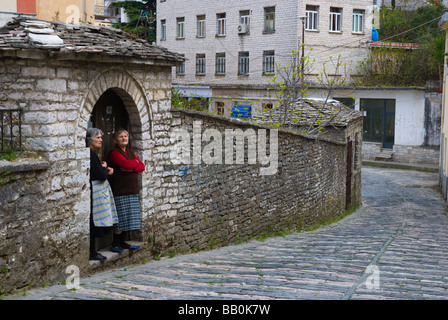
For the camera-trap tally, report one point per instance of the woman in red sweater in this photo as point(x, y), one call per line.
point(125, 187)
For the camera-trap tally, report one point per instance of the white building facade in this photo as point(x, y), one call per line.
point(233, 47)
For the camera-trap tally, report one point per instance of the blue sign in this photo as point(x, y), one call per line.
point(241, 112)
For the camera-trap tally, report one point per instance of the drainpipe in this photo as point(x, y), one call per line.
point(85, 11)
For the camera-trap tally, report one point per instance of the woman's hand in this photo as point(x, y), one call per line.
point(110, 171)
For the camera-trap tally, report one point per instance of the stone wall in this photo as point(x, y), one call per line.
point(417, 154)
point(41, 230)
point(405, 154)
point(185, 207)
point(217, 204)
point(57, 96)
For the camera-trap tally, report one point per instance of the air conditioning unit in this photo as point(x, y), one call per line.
point(243, 28)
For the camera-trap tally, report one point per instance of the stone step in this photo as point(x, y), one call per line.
point(113, 256)
point(385, 155)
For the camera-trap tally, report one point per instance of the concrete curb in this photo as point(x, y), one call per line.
point(399, 165)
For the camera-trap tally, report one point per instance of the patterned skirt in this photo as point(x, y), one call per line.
point(128, 210)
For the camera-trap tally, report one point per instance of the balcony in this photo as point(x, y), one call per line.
point(102, 13)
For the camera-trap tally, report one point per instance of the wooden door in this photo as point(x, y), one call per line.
point(109, 114)
point(348, 185)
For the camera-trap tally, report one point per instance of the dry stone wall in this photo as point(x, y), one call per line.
point(217, 204)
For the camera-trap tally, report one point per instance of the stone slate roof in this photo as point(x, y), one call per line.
point(306, 111)
point(24, 33)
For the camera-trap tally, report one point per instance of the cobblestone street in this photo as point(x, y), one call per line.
point(393, 247)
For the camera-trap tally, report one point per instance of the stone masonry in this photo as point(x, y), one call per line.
point(45, 200)
point(218, 204)
point(44, 213)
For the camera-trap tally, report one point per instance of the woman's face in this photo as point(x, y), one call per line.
point(122, 140)
point(97, 141)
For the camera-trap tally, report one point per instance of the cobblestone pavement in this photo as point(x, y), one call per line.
point(393, 247)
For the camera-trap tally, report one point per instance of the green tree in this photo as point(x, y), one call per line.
point(289, 82)
point(406, 67)
point(289, 86)
point(393, 24)
point(142, 18)
point(193, 103)
point(436, 54)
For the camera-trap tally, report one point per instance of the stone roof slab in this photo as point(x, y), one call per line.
point(66, 41)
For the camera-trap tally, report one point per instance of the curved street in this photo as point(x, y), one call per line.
point(393, 247)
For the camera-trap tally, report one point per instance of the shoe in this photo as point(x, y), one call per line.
point(132, 247)
point(125, 245)
point(116, 249)
point(98, 257)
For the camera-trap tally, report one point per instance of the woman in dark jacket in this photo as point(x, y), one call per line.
point(103, 214)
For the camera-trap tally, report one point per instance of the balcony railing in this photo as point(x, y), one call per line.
point(102, 12)
point(11, 130)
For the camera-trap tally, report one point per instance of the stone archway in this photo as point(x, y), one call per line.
point(133, 97)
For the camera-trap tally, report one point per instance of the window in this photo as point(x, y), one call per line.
point(335, 19)
point(180, 69)
point(243, 63)
point(269, 19)
point(245, 17)
point(312, 15)
point(221, 63)
point(221, 20)
point(201, 26)
point(268, 106)
point(201, 102)
point(180, 28)
point(348, 102)
point(358, 17)
point(243, 28)
point(163, 29)
point(200, 64)
point(268, 62)
point(220, 108)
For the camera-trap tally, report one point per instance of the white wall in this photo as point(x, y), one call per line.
point(409, 111)
point(8, 6)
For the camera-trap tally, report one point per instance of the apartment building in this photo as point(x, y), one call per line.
point(232, 48)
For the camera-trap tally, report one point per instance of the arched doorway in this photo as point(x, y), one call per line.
point(116, 99)
point(109, 114)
